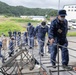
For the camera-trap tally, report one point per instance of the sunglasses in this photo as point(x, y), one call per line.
point(62, 16)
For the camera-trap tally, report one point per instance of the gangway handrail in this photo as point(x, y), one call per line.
point(12, 58)
point(22, 51)
point(72, 41)
point(58, 57)
point(58, 45)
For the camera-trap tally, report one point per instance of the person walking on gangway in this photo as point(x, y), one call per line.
point(11, 46)
point(10, 33)
point(25, 38)
point(30, 33)
point(57, 35)
point(18, 38)
point(40, 32)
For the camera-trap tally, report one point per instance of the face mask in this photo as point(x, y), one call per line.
point(62, 19)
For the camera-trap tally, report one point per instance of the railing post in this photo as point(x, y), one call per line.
point(21, 55)
point(58, 57)
point(45, 49)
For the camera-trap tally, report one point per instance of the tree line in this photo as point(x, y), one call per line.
point(8, 10)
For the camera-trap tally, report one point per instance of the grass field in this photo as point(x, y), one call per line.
point(24, 22)
point(7, 25)
point(71, 33)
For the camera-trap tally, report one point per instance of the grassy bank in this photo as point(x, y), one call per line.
point(24, 22)
point(8, 25)
point(71, 33)
point(14, 23)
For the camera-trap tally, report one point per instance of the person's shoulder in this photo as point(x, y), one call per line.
point(54, 22)
point(38, 26)
point(32, 26)
point(65, 21)
point(46, 26)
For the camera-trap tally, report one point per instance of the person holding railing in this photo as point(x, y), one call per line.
point(30, 31)
point(40, 32)
point(57, 35)
point(18, 38)
point(11, 46)
point(10, 33)
point(15, 34)
point(25, 38)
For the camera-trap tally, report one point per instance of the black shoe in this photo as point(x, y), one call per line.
point(30, 47)
point(48, 51)
point(42, 55)
point(54, 66)
point(67, 67)
point(12, 52)
point(5, 58)
point(10, 55)
point(31, 68)
point(64, 66)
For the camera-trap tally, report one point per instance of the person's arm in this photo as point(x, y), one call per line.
point(51, 33)
point(35, 31)
point(67, 27)
point(27, 28)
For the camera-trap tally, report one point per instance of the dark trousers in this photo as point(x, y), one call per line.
point(64, 53)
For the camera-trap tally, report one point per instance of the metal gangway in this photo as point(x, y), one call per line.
point(16, 65)
point(46, 64)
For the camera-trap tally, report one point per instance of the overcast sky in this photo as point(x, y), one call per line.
point(39, 3)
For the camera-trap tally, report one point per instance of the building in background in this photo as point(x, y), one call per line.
point(71, 15)
point(71, 11)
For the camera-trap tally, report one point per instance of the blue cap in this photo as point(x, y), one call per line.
point(29, 24)
point(62, 12)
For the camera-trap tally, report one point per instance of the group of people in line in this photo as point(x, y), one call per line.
point(56, 35)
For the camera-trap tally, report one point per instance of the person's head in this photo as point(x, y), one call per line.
point(12, 38)
point(29, 24)
point(43, 23)
point(3, 34)
point(61, 15)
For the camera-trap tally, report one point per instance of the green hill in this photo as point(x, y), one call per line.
point(5, 9)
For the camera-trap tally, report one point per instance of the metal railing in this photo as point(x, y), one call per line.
point(58, 62)
point(16, 67)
